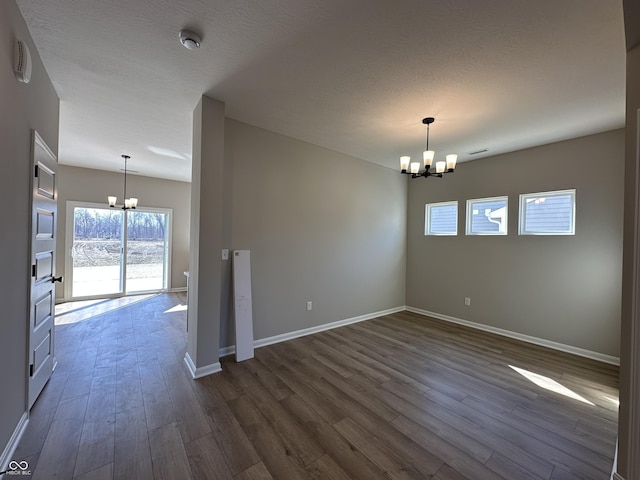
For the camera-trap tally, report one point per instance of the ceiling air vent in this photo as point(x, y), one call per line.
point(479, 151)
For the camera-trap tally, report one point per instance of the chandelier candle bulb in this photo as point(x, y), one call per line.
point(452, 158)
point(112, 201)
point(440, 166)
point(404, 163)
point(427, 156)
point(415, 167)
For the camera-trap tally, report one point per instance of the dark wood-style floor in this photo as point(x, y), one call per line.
point(398, 397)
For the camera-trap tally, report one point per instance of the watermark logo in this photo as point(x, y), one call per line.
point(18, 468)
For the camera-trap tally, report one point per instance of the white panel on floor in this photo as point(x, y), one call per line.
point(243, 308)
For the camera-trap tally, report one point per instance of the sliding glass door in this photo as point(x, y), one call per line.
point(115, 252)
point(146, 247)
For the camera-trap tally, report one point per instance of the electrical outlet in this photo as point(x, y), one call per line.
point(467, 301)
point(225, 254)
point(309, 306)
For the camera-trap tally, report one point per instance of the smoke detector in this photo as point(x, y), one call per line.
point(189, 39)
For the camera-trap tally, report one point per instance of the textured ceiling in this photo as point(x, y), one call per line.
point(356, 76)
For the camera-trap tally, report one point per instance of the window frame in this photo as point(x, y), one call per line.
point(469, 213)
point(427, 218)
point(554, 193)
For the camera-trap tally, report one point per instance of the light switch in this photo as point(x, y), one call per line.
point(225, 254)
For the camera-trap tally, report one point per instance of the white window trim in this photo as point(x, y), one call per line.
point(522, 204)
point(487, 199)
point(427, 218)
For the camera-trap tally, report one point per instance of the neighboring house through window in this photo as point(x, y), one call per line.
point(441, 218)
point(487, 216)
point(548, 213)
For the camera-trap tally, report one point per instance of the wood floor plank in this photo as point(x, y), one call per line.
point(325, 467)
point(298, 444)
point(349, 363)
point(455, 430)
point(187, 410)
point(236, 447)
point(168, 454)
point(327, 410)
point(96, 444)
point(101, 473)
point(255, 472)
point(376, 450)
point(129, 391)
point(41, 417)
point(273, 453)
point(158, 408)
point(207, 460)
point(449, 452)
point(132, 454)
point(495, 423)
point(274, 385)
point(560, 450)
point(508, 469)
point(349, 458)
point(58, 457)
point(357, 404)
point(447, 473)
point(560, 474)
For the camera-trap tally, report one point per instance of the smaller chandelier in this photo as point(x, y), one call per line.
point(129, 203)
point(442, 167)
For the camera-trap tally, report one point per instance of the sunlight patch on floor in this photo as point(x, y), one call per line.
point(550, 384)
point(615, 401)
point(74, 312)
point(177, 308)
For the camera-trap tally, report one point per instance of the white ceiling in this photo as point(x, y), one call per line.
point(356, 76)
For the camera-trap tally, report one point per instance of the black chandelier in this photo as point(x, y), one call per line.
point(129, 203)
point(442, 167)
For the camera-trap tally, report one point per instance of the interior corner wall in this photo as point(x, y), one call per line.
point(89, 185)
point(564, 289)
point(24, 107)
point(321, 226)
point(629, 420)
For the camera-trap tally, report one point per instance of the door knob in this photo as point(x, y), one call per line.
point(56, 279)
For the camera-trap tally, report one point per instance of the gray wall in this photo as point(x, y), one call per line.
point(87, 185)
point(321, 226)
point(23, 107)
point(564, 289)
point(629, 421)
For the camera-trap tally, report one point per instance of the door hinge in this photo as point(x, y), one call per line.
point(36, 172)
point(31, 370)
point(33, 270)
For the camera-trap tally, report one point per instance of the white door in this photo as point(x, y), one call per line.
point(43, 266)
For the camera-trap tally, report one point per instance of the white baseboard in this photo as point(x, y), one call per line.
point(601, 357)
point(200, 372)
point(263, 342)
point(10, 449)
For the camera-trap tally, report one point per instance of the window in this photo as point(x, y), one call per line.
point(441, 218)
point(115, 251)
point(487, 216)
point(548, 213)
